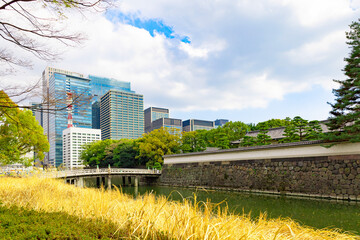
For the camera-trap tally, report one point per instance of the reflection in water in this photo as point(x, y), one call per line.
point(314, 213)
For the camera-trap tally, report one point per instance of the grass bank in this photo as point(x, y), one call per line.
point(19, 223)
point(149, 217)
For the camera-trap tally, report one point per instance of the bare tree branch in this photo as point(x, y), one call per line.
point(23, 29)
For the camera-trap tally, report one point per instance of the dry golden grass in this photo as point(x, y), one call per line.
point(149, 217)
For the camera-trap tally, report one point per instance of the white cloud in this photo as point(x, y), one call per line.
point(319, 50)
point(235, 59)
point(313, 13)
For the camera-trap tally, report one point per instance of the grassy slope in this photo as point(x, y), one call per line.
point(149, 217)
point(20, 223)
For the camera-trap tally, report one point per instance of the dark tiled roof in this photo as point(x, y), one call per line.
point(278, 133)
point(252, 148)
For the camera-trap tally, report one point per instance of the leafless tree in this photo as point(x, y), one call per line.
point(23, 29)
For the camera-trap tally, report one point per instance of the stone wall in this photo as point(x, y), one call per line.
point(336, 176)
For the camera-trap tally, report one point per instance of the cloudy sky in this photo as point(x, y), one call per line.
point(240, 60)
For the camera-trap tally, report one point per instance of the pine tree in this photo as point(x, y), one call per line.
point(344, 121)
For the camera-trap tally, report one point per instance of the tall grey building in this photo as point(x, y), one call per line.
point(173, 125)
point(153, 113)
point(121, 115)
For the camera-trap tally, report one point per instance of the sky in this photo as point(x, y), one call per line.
point(240, 60)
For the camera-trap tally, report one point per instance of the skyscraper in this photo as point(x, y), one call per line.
point(195, 124)
point(59, 85)
point(49, 100)
point(171, 124)
point(153, 113)
point(100, 86)
point(121, 115)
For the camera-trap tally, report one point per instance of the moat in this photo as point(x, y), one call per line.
point(314, 213)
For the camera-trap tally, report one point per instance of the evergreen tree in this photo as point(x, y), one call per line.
point(313, 131)
point(262, 138)
point(345, 114)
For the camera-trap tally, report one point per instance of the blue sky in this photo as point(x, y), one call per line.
point(240, 60)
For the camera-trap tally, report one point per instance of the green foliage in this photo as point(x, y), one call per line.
point(345, 114)
point(222, 140)
point(20, 133)
point(272, 123)
point(125, 153)
point(313, 131)
point(154, 145)
point(193, 142)
point(302, 130)
point(262, 138)
point(248, 141)
point(20, 223)
point(96, 153)
point(221, 137)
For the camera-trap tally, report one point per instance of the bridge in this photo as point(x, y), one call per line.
point(130, 176)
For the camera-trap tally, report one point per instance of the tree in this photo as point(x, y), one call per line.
point(344, 121)
point(272, 123)
point(23, 29)
point(222, 140)
point(234, 130)
point(96, 154)
point(302, 130)
point(313, 131)
point(154, 145)
point(295, 132)
point(248, 141)
point(125, 153)
point(20, 133)
point(262, 138)
point(192, 142)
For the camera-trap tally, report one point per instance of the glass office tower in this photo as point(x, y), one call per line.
point(48, 100)
point(100, 86)
point(195, 124)
point(59, 85)
point(121, 115)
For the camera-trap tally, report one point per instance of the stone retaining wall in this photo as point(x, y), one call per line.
point(320, 176)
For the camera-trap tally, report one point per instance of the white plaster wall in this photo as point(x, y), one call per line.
point(313, 150)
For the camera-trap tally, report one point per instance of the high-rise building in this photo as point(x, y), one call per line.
point(195, 124)
point(59, 86)
point(73, 140)
point(121, 115)
point(171, 124)
point(153, 113)
point(100, 86)
point(220, 122)
point(48, 100)
point(95, 112)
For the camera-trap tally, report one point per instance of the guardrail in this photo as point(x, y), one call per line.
point(100, 171)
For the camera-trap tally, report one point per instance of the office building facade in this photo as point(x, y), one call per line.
point(73, 140)
point(173, 125)
point(195, 124)
point(48, 101)
point(121, 115)
point(59, 85)
point(220, 122)
point(99, 87)
point(153, 113)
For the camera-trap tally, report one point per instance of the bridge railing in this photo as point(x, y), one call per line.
point(82, 172)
